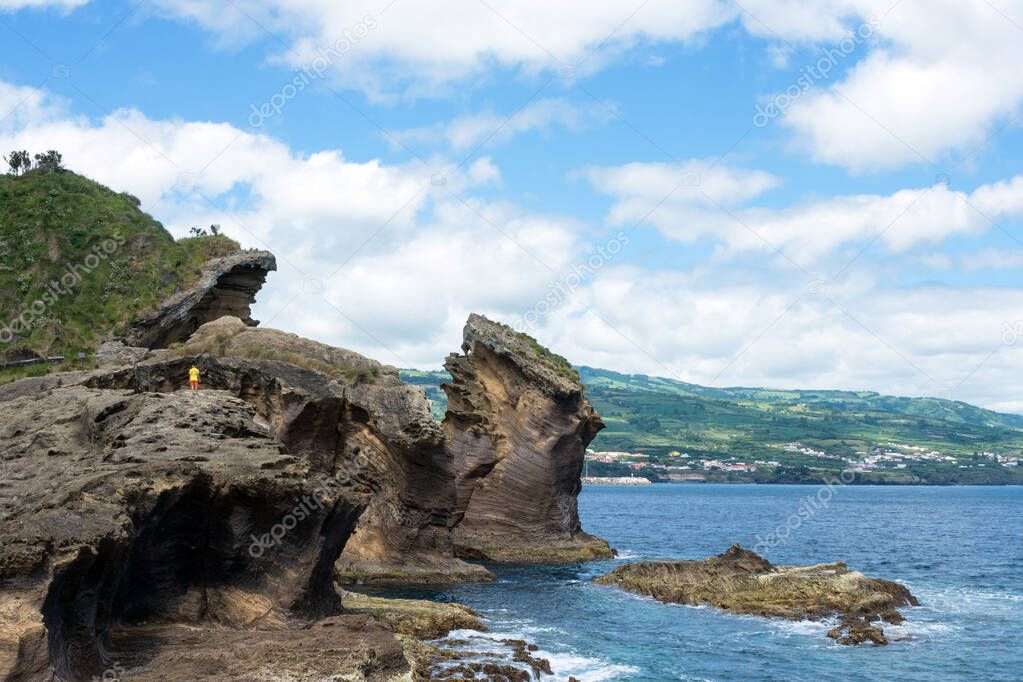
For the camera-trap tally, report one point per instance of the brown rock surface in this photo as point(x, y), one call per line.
point(227, 286)
point(349, 417)
point(123, 509)
point(517, 427)
point(739, 581)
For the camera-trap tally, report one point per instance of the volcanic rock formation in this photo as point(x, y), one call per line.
point(227, 286)
point(517, 428)
point(123, 508)
point(150, 529)
point(348, 417)
point(740, 581)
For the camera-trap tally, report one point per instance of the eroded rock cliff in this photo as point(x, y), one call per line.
point(517, 428)
point(349, 417)
point(227, 286)
point(122, 509)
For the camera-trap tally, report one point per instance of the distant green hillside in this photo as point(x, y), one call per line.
point(666, 419)
point(78, 261)
point(430, 382)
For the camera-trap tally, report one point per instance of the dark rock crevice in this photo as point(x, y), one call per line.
point(188, 558)
point(163, 509)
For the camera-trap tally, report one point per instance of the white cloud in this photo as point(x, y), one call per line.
point(805, 232)
point(400, 260)
point(991, 259)
point(422, 47)
point(415, 260)
point(934, 78)
point(467, 132)
point(934, 341)
point(941, 79)
point(652, 191)
point(15, 5)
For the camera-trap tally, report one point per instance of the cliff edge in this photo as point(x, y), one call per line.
point(517, 427)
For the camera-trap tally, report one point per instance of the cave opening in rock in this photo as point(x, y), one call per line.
point(191, 557)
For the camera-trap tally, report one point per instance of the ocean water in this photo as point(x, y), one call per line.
point(960, 551)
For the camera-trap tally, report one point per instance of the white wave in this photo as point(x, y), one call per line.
point(564, 663)
point(810, 628)
point(628, 554)
point(914, 629)
point(567, 665)
point(963, 598)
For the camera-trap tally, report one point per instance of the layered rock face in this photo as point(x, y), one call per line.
point(124, 510)
point(739, 581)
point(227, 286)
point(517, 428)
point(348, 417)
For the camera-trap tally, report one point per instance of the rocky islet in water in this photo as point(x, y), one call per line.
point(739, 581)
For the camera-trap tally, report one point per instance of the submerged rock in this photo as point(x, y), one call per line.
point(517, 428)
point(740, 581)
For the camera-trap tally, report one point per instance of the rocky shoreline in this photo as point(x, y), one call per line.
point(741, 582)
point(157, 530)
point(164, 535)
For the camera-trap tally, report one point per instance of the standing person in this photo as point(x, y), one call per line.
point(193, 379)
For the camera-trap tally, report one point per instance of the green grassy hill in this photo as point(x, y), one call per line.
point(807, 434)
point(78, 261)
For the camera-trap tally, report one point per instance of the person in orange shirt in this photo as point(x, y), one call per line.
point(193, 379)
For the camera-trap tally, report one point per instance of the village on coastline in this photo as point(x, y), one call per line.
point(636, 468)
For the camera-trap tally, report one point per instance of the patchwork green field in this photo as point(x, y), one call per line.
point(787, 435)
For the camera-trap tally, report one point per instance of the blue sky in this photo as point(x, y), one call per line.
point(479, 156)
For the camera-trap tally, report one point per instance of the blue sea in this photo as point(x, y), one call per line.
point(959, 549)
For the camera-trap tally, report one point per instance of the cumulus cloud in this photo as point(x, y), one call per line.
point(934, 341)
point(383, 259)
point(467, 132)
point(374, 256)
point(933, 78)
point(940, 79)
point(423, 47)
point(712, 204)
point(15, 5)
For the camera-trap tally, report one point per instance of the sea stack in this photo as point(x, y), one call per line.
point(517, 428)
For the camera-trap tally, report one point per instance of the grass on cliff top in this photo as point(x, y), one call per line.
point(546, 357)
point(55, 223)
